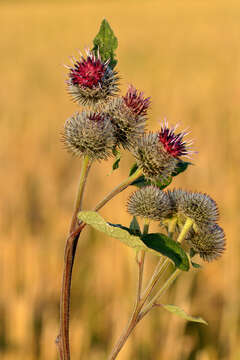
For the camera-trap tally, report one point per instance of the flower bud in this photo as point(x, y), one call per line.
point(149, 202)
point(128, 114)
point(209, 241)
point(91, 81)
point(90, 134)
point(151, 157)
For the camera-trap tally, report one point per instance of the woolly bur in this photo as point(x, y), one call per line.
point(89, 134)
point(128, 115)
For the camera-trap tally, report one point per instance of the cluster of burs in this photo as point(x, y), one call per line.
point(110, 121)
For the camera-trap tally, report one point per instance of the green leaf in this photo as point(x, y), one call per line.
point(141, 181)
point(192, 253)
point(195, 265)
point(106, 43)
point(133, 169)
point(116, 231)
point(127, 236)
point(117, 155)
point(167, 247)
point(178, 311)
point(162, 185)
point(181, 167)
point(134, 226)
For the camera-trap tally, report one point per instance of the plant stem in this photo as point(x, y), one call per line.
point(186, 227)
point(160, 269)
point(138, 305)
point(160, 292)
point(69, 255)
point(81, 186)
point(62, 339)
point(141, 264)
point(119, 188)
point(171, 226)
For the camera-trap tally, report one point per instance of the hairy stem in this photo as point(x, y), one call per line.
point(141, 264)
point(160, 292)
point(69, 255)
point(81, 186)
point(118, 189)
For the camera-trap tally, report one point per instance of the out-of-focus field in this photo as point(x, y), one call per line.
point(186, 56)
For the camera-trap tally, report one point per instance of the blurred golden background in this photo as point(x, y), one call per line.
point(186, 56)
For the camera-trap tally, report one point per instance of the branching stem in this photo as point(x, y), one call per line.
point(140, 310)
point(62, 339)
point(138, 304)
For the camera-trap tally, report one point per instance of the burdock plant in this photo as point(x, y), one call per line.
point(107, 123)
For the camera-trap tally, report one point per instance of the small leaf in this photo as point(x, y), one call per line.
point(117, 155)
point(134, 226)
point(178, 311)
point(133, 169)
point(192, 253)
point(195, 265)
point(167, 247)
point(106, 43)
point(141, 182)
point(162, 185)
point(181, 167)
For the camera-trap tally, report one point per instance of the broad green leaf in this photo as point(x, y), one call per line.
point(156, 243)
point(134, 226)
point(106, 43)
point(116, 231)
point(178, 311)
point(167, 247)
point(181, 166)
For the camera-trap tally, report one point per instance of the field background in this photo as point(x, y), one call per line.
point(186, 56)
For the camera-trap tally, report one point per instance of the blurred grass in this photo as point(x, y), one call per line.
point(186, 55)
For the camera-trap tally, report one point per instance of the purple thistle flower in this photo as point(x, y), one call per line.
point(91, 81)
point(136, 102)
point(173, 143)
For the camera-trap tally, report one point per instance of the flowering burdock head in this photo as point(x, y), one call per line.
point(201, 208)
point(129, 114)
point(209, 242)
point(91, 81)
point(174, 144)
point(149, 202)
point(155, 162)
point(90, 134)
point(136, 102)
